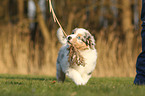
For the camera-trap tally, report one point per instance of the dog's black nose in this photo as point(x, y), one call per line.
point(69, 38)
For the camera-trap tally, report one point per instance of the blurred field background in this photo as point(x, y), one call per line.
point(28, 42)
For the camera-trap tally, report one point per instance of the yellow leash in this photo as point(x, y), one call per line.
point(55, 18)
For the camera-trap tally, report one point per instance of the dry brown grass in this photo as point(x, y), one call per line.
point(18, 54)
point(115, 57)
point(117, 50)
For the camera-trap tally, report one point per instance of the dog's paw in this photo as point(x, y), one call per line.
point(75, 76)
point(79, 82)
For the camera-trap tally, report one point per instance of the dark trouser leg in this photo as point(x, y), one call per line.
point(140, 69)
point(140, 64)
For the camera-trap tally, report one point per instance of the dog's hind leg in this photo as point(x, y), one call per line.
point(75, 76)
point(60, 75)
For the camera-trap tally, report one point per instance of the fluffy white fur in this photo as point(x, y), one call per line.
point(79, 74)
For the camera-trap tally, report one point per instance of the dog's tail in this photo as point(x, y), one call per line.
point(61, 36)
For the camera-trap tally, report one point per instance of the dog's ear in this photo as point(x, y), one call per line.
point(89, 40)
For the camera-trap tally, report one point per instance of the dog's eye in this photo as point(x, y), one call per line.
point(79, 37)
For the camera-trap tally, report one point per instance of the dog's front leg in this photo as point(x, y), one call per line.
point(75, 76)
point(60, 75)
point(86, 77)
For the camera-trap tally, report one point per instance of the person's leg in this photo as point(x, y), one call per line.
point(140, 64)
point(140, 69)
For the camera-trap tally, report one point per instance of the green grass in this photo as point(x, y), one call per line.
point(21, 85)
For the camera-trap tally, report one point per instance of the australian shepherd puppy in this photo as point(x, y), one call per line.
point(84, 42)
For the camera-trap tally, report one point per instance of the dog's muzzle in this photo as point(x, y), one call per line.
point(69, 38)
